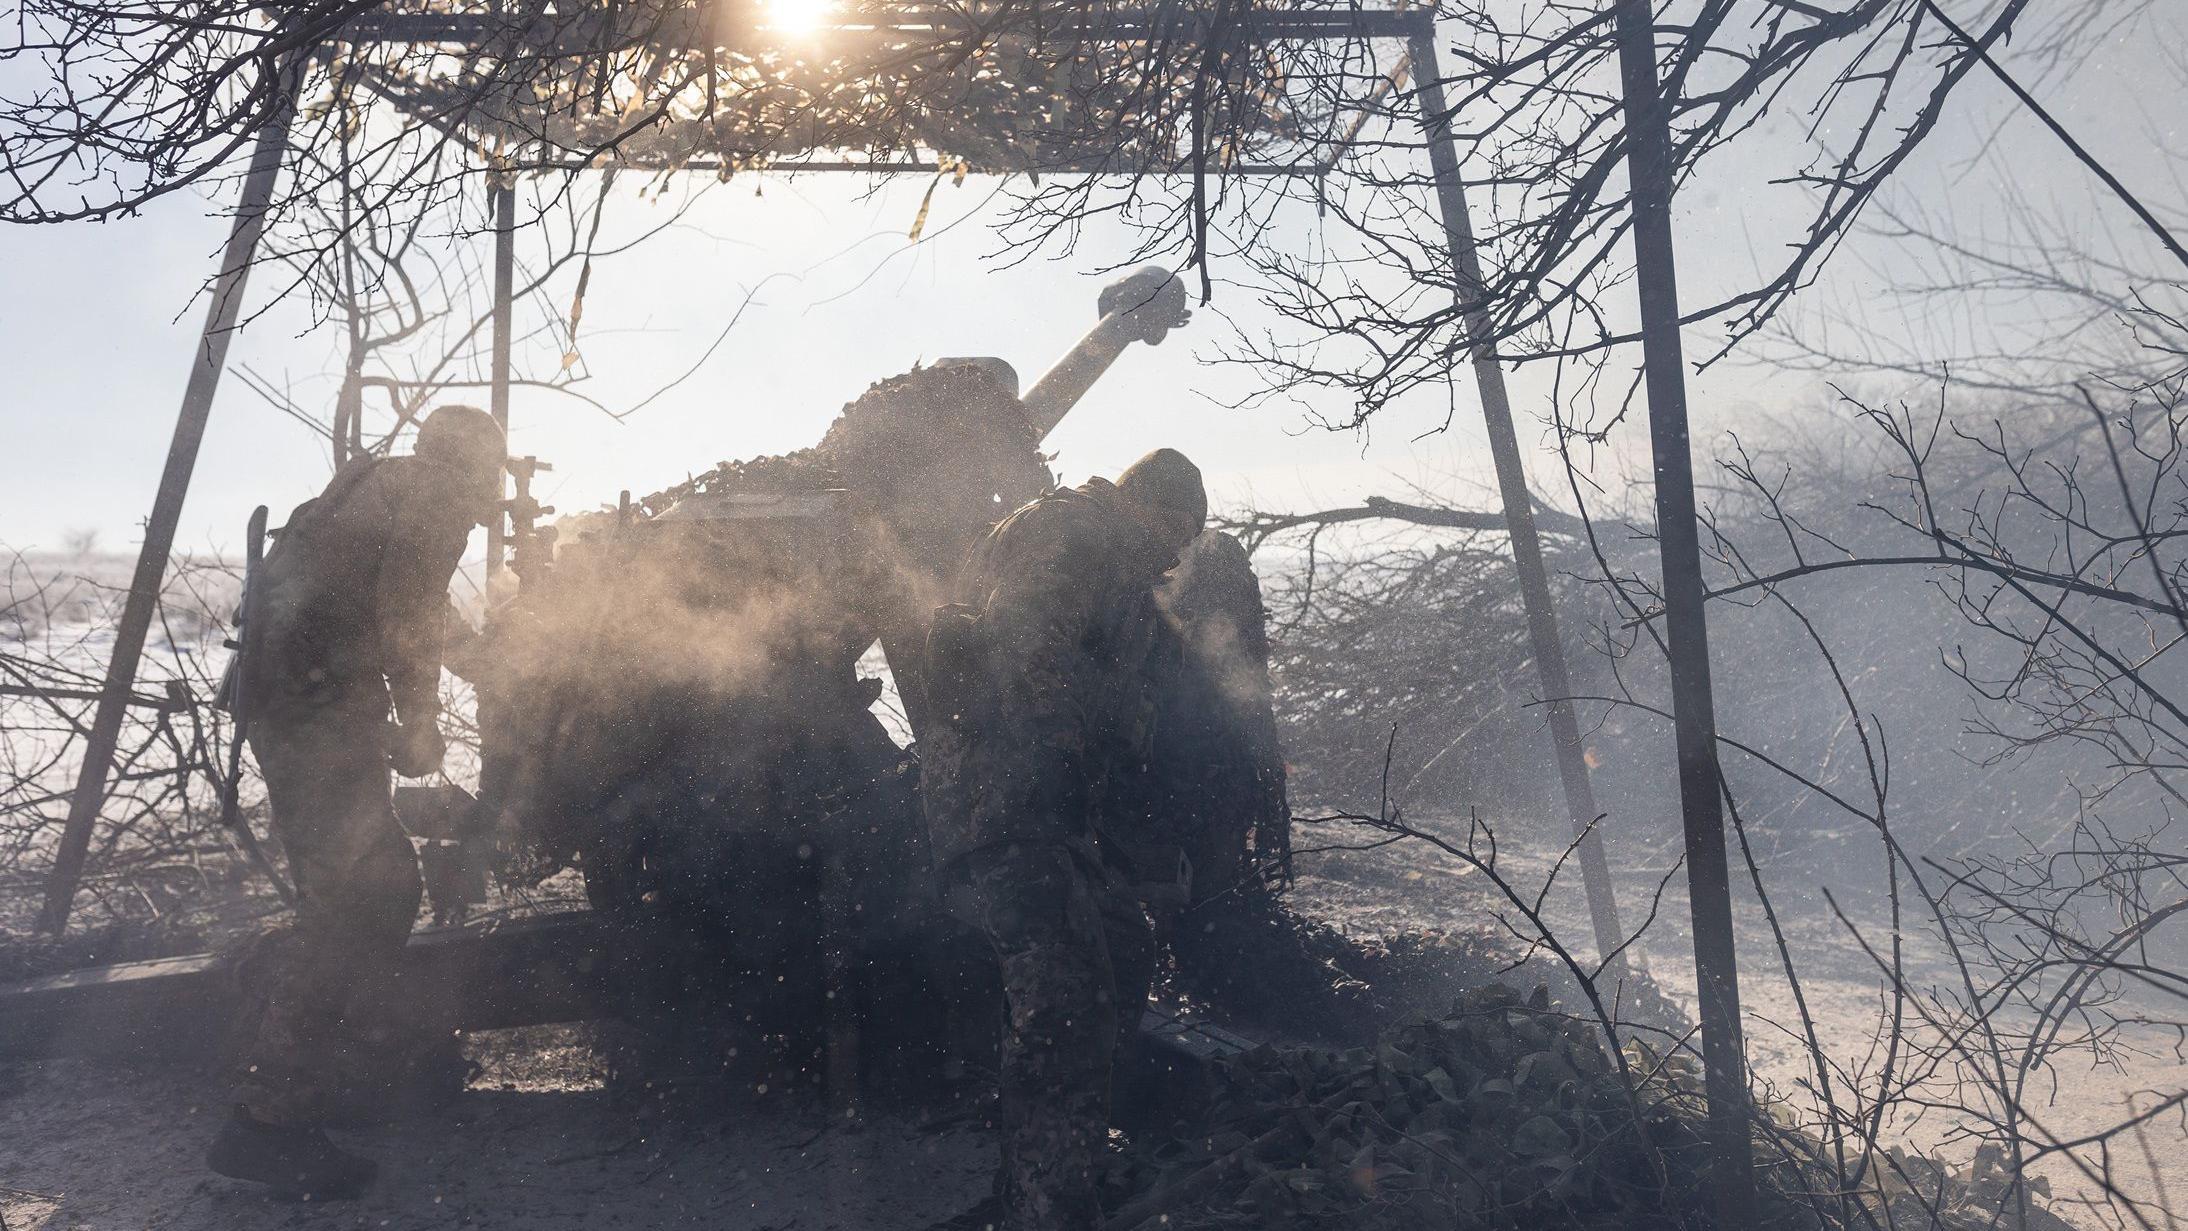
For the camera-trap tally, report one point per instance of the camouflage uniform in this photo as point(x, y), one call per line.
point(1042, 717)
point(348, 615)
point(1219, 765)
point(1217, 784)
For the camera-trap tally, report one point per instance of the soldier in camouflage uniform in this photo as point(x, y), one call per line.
point(1039, 684)
point(1218, 766)
point(347, 618)
point(1217, 783)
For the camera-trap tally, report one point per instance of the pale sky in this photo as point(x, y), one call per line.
point(99, 322)
point(99, 330)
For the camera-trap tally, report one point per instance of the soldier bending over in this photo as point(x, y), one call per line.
point(347, 617)
point(1039, 684)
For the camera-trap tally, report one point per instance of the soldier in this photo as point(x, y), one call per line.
point(347, 619)
point(1216, 783)
point(1219, 767)
point(1039, 685)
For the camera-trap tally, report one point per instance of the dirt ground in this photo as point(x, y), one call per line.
point(533, 1144)
point(1400, 887)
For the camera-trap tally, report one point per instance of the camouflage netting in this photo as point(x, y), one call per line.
point(1508, 1113)
point(977, 95)
point(904, 436)
point(908, 431)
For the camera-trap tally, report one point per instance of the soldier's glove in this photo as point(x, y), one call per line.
point(415, 749)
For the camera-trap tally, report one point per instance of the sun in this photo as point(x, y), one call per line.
point(797, 18)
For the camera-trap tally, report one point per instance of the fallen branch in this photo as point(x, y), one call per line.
point(1258, 526)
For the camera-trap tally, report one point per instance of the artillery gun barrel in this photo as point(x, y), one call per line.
point(1144, 306)
point(1053, 396)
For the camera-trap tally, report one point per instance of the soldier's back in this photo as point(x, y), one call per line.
point(317, 602)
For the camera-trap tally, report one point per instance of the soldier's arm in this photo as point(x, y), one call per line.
point(424, 545)
point(1242, 600)
point(1249, 619)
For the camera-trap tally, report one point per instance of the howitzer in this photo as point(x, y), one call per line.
point(677, 703)
point(769, 578)
point(532, 545)
point(1143, 306)
point(456, 846)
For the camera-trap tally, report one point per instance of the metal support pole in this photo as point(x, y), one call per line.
point(1694, 715)
point(505, 265)
point(1519, 511)
point(159, 529)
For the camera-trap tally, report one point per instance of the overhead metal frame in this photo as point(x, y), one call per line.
point(696, 28)
point(692, 29)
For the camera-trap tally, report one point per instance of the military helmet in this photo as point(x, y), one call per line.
point(1167, 482)
point(463, 436)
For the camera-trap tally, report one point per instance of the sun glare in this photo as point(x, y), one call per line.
point(797, 18)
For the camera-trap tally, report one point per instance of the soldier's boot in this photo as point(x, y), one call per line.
point(295, 1163)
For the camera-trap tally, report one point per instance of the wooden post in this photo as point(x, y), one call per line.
point(505, 263)
point(1694, 715)
point(159, 529)
point(1519, 511)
